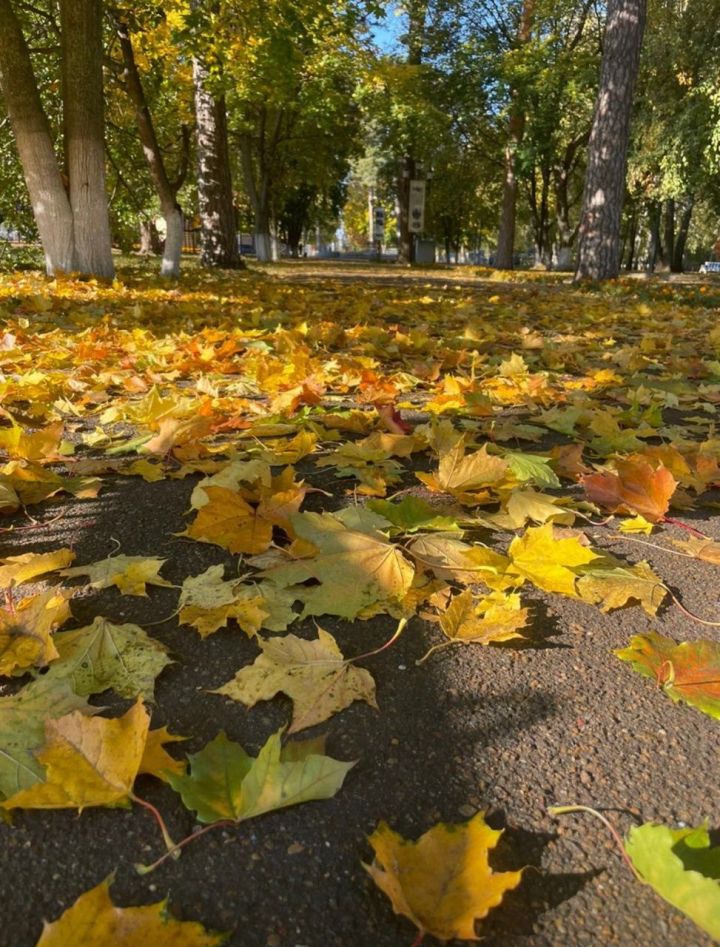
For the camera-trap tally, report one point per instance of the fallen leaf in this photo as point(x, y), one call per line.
point(682, 868)
point(26, 630)
point(688, 672)
point(88, 761)
point(700, 548)
point(313, 674)
point(156, 761)
point(104, 655)
point(355, 569)
point(22, 729)
point(225, 783)
point(611, 584)
point(634, 487)
point(466, 476)
point(17, 569)
point(130, 574)
point(547, 561)
point(496, 617)
point(442, 882)
point(94, 921)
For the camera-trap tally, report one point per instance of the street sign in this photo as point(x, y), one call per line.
point(416, 207)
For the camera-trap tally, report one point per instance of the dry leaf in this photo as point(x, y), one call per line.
point(313, 674)
point(443, 882)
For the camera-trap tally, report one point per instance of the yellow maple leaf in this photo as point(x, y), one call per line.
point(547, 561)
point(17, 569)
point(130, 574)
point(314, 674)
point(26, 628)
point(156, 761)
point(442, 882)
point(496, 617)
point(466, 476)
point(89, 761)
point(94, 921)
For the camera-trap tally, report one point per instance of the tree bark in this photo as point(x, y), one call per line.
point(406, 245)
point(599, 252)
point(668, 242)
point(676, 264)
point(166, 190)
point(83, 115)
point(516, 132)
point(50, 204)
point(417, 16)
point(215, 196)
point(654, 215)
point(258, 191)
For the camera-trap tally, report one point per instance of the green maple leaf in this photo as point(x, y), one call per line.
point(682, 867)
point(224, 782)
point(103, 655)
point(412, 514)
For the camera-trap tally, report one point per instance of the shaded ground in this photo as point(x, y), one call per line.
point(506, 730)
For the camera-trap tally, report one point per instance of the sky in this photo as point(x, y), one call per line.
point(386, 31)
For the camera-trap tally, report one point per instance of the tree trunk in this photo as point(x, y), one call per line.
point(215, 196)
point(50, 204)
point(678, 253)
point(166, 190)
point(668, 242)
point(146, 241)
point(516, 132)
point(654, 215)
point(174, 237)
point(83, 107)
point(406, 244)
point(599, 253)
point(508, 206)
point(631, 240)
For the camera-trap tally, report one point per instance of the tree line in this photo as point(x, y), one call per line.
point(587, 131)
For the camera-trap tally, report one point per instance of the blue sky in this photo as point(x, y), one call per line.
point(386, 32)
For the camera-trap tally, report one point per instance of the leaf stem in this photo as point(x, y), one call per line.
point(435, 647)
point(156, 814)
point(419, 939)
point(686, 611)
point(174, 852)
point(690, 529)
point(563, 810)
point(371, 654)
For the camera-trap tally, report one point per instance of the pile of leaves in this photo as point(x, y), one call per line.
point(431, 455)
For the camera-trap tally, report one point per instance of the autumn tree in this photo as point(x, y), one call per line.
point(166, 187)
point(599, 249)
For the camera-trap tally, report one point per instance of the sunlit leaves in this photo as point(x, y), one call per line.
point(354, 568)
point(443, 882)
point(682, 867)
point(313, 674)
point(689, 671)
